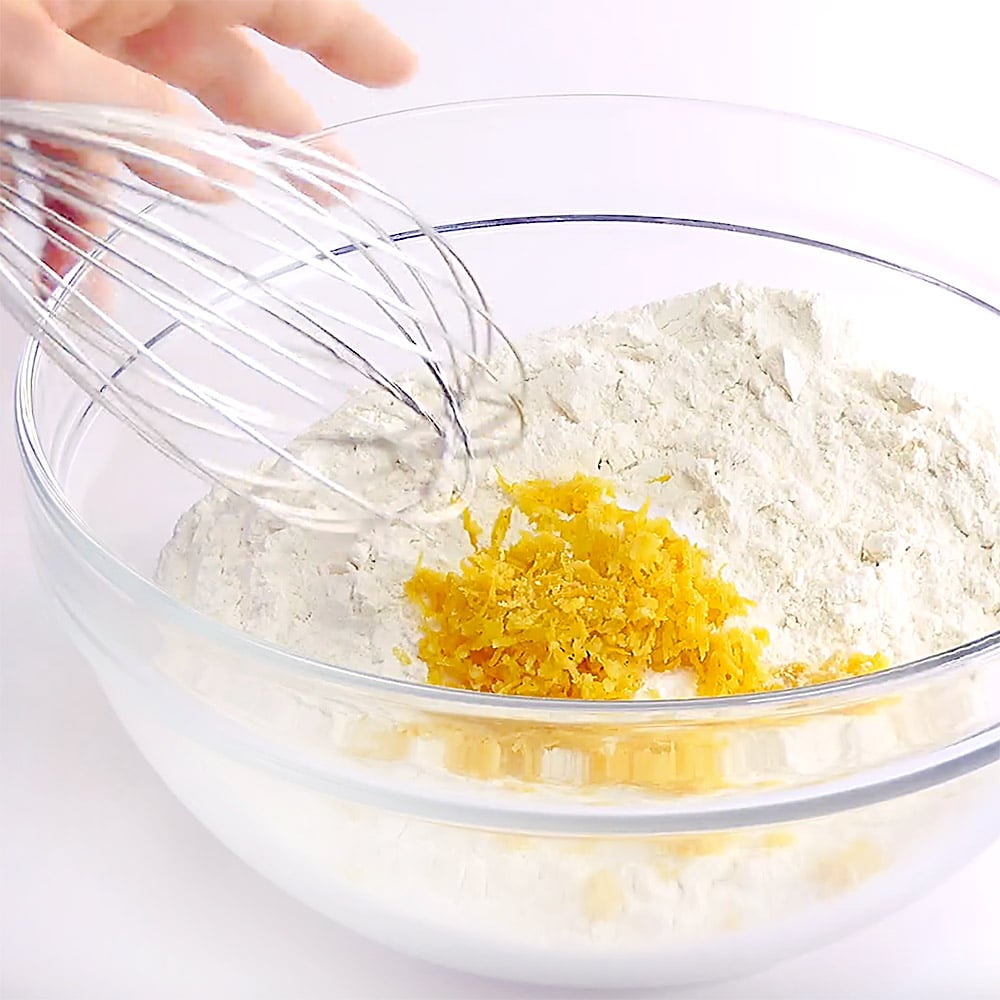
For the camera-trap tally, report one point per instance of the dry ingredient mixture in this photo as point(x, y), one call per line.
point(857, 510)
point(791, 516)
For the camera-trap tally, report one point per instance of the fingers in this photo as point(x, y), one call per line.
point(44, 63)
point(71, 72)
point(231, 76)
point(88, 77)
point(74, 189)
point(127, 53)
point(58, 68)
point(199, 47)
point(8, 182)
point(96, 22)
point(340, 34)
point(222, 67)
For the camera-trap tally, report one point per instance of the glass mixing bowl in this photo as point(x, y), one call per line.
point(616, 844)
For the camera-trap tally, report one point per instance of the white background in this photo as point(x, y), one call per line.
point(109, 889)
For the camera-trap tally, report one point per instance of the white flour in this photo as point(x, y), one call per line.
point(859, 510)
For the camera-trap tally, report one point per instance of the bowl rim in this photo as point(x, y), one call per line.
point(481, 103)
point(44, 482)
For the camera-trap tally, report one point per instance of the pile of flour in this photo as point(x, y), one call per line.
point(860, 510)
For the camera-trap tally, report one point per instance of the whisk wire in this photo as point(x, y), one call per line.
point(312, 297)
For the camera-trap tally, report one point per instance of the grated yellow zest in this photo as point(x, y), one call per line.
point(586, 601)
point(402, 655)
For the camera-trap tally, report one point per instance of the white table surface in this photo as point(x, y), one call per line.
point(110, 889)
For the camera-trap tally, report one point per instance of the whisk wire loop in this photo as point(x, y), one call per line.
point(223, 290)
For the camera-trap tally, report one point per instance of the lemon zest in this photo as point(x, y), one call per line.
point(587, 600)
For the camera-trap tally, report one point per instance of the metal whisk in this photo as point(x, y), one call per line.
point(219, 290)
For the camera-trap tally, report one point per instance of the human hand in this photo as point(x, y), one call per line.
point(134, 53)
point(126, 52)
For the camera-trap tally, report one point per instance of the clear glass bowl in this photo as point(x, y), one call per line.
point(615, 844)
